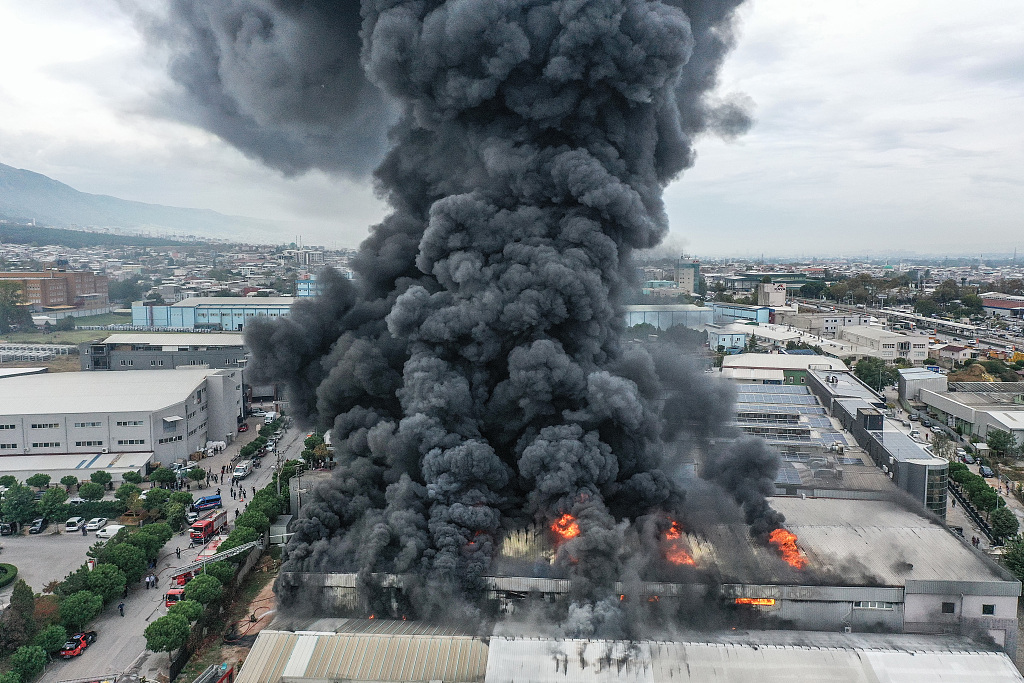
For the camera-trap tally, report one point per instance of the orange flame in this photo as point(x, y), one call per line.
point(566, 526)
point(373, 616)
point(675, 553)
point(767, 602)
point(785, 541)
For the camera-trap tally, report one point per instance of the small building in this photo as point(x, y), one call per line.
point(784, 368)
point(725, 313)
point(771, 294)
point(887, 345)
point(957, 353)
point(210, 312)
point(145, 351)
point(912, 380)
point(729, 339)
point(823, 324)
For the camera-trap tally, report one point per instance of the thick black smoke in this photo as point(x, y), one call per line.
point(474, 375)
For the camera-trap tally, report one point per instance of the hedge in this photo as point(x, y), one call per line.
point(8, 573)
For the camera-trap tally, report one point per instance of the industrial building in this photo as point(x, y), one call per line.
point(665, 316)
point(822, 324)
point(913, 380)
point(1003, 305)
point(907, 462)
point(885, 344)
point(688, 275)
point(210, 312)
point(169, 415)
point(402, 651)
point(728, 339)
point(977, 407)
point(776, 368)
point(59, 288)
point(725, 313)
point(147, 351)
point(868, 565)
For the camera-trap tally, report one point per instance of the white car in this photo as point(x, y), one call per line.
point(73, 524)
point(96, 523)
point(109, 531)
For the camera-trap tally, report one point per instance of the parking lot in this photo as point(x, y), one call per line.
point(46, 557)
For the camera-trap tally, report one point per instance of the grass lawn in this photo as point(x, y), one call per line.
point(40, 337)
point(105, 319)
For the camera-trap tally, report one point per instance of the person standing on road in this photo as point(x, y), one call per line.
point(177, 551)
point(85, 532)
point(254, 490)
point(120, 607)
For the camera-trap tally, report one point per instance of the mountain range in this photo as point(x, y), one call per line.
point(25, 195)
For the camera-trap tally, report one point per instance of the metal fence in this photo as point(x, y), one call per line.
point(10, 353)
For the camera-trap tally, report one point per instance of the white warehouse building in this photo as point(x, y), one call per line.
point(168, 415)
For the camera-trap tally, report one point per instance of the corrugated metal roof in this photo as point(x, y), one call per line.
point(363, 657)
point(577, 661)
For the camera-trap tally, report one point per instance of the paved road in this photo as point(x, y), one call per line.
point(120, 643)
point(43, 558)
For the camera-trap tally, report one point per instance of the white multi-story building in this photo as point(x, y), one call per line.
point(882, 343)
point(169, 414)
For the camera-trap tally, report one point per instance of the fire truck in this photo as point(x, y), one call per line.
point(206, 528)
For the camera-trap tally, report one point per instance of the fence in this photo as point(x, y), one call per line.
point(10, 353)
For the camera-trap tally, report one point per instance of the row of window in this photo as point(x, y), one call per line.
point(129, 423)
point(873, 604)
point(80, 425)
point(88, 424)
point(170, 439)
point(950, 608)
point(131, 442)
point(8, 426)
point(46, 444)
point(88, 443)
point(46, 425)
point(8, 446)
point(194, 431)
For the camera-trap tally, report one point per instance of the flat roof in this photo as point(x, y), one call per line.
point(780, 361)
point(177, 339)
point(885, 542)
point(919, 373)
point(254, 301)
point(17, 372)
point(130, 391)
point(873, 331)
point(665, 308)
point(843, 383)
point(79, 465)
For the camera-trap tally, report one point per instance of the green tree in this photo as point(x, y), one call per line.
point(222, 571)
point(51, 638)
point(204, 589)
point(1001, 442)
point(162, 475)
point(68, 481)
point(190, 609)
point(28, 661)
point(175, 514)
point(130, 559)
point(90, 491)
point(1004, 523)
point(132, 478)
point(161, 530)
point(23, 601)
point(13, 310)
point(198, 475)
point(10, 677)
point(52, 504)
point(101, 477)
point(1013, 557)
point(19, 504)
point(79, 609)
point(167, 634)
point(254, 519)
point(148, 543)
point(240, 535)
point(155, 499)
point(8, 480)
point(12, 631)
point(107, 581)
point(40, 481)
point(986, 500)
point(125, 492)
point(183, 497)
point(875, 373)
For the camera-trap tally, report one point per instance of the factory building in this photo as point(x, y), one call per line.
point(55, 289)
point(868, 566)
point(169, 415)
point(977, 407)
point(210, 312)
point(907, 462)
point(669, 315)
point(163, 351)
point(731, 339)
point(776, 368)
point(826, 324)
point(731, 313)
point(913, 380)
point(1003, 305)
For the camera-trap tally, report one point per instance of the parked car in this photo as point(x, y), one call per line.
point(77, 643)
point(926, 422)
point(937, 429)
point(259, 412)
point(986, 471)
point(96, 523)
point(969, 459)
point(915, 434)
point(73, 524)
point(8, 528)
point(38, 525)
point(243, 427)
point(109, 531)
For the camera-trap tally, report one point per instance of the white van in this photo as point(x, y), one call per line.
point(242, 469)
point(269, 417)
point(73, 524)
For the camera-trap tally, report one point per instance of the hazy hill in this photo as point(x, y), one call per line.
point(28, 195)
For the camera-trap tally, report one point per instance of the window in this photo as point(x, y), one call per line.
point(8, 446)
point(948, 608)
point(127, 362)
point(988, 609)
point(873, 604)
point(129, 423)
point(88, 424)
point(160, 363)
point(46, 425)
point(170, 439)
point(46, 444)
point(8, 426)
point(131, 442)
point(152, 363)
point(88, 443)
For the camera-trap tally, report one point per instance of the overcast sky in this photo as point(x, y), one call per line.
point(881, 125)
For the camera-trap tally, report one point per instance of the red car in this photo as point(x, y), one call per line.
point(77, 643)
point(243, 427)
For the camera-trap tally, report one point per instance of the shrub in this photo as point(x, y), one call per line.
point(8, 573)
point(51, 638)
point(28, 661)
point(91, 491)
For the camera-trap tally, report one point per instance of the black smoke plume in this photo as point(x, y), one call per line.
point(474, 374)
